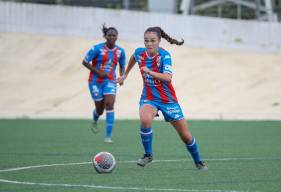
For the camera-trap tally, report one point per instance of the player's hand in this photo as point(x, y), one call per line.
point(145, 69)
point(120, 80)
point(102, 74)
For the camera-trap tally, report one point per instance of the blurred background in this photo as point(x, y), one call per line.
point(266, 10)
point(229, 67)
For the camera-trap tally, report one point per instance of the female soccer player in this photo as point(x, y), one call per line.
point(102, 60)
point(158, 94)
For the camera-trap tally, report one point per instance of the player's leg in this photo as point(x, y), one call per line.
point(96, 93)
point(147, 113)
point(109, 101)
point(172, 113)
point(190, 142)
point(109, 92)
point(99, 109)
point(97, 112)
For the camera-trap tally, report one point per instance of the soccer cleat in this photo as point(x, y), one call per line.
point(144, 160)
point(201, 165)
point(108, 140)
point(94, 127)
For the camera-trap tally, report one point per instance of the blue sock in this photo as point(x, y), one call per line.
point(109, 123)
point(193, 150)
point(146, 137)
point(95, 116)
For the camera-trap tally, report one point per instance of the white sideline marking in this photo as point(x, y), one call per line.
point(154, 161)
point(111, 187)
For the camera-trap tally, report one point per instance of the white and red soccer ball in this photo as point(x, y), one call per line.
point(104, 162)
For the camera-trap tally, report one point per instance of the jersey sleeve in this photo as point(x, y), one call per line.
point(167, 64)
point(136, 54)
point(122, 59)
point(91, 54)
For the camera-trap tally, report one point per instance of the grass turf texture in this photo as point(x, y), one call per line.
point(253, 145)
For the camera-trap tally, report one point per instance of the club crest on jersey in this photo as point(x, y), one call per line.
point(118, 53)
point(103, 51)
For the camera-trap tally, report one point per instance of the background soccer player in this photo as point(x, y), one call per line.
point(102, 60)
point(158, 94)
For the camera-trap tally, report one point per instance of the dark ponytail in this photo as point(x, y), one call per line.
point(106, 29)
point(161, 33)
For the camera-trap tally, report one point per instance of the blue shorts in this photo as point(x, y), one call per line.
point(98, 90)
point(170, 111)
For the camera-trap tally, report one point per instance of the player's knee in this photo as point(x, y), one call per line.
point(146, 121)
point(109, 105)
point(99, 111)
point(186, 138)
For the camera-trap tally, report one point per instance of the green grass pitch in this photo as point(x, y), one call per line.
point(241, 155)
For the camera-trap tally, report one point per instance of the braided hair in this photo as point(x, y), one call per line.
point(106, 29)
point(160, 33)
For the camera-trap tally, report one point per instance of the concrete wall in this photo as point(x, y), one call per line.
point(197, 31)
point(166, 6)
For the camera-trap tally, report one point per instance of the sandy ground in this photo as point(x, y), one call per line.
point(42, 77)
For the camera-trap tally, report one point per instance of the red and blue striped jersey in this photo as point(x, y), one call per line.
point(106, 60)
point(154, 89)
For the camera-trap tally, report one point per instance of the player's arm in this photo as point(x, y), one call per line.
point(121, 71)
point(93, 69)
point(90, 67)
point(91, 54)
point(166, 74)
point(122, 62)
point(131, 64)
point(160, 76)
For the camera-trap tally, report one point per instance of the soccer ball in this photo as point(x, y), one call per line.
point(104, 162)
